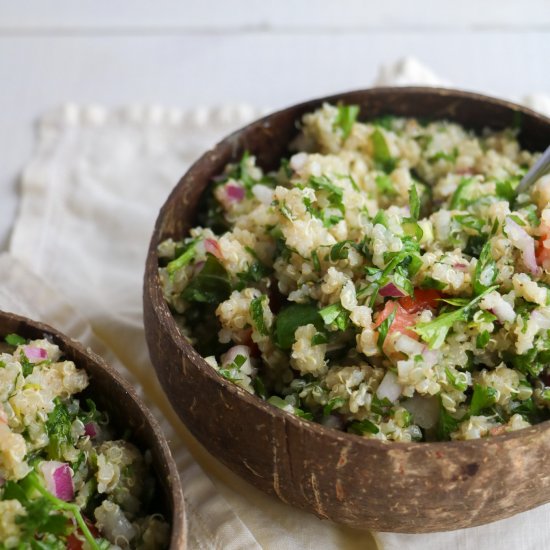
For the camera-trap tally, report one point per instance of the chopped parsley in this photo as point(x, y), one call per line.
point(381, 151)
point(335, 316)
point(15, 340)
point(211, 285)
point(345, 119)
point(434, 332)
point(292, 317)
point(257, 313)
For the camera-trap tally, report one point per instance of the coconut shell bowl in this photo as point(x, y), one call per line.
point(126, 411)
point(363, 483)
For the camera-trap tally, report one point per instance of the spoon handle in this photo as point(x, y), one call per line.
point(535, 172)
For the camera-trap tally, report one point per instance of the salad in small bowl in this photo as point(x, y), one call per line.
point(73, 472)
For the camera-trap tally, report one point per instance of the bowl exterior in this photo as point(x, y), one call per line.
point(113, 394)
point(400, 487)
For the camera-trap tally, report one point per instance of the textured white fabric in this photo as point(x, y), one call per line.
point(89, 200)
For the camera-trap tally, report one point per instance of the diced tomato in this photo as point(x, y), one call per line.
point(402, 321)
point(424, 298)
point(543, 253)
point(74, 541)
point(212, 247)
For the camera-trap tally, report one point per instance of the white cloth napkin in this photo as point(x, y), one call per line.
point(89, 200)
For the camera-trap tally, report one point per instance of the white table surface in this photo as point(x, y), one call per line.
point(269, 53)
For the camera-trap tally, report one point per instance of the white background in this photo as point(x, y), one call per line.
point(268, 53)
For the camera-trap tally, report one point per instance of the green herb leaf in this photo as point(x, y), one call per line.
point(292, 317)
point(381, 406)
point(340, 251)
point(412, 229)
point(15, 340)
point(380, 218)
point(442, 155)
point(470, 222)
point(319, 338)
point(289, 407)
point(482, 339)
point(434, 332)
point(323, 183)
point(414, 203)
point(381, 151)
point(315, 261)
point(335, 316)
point(241, 173)
point(26, 366)
point(458, 302)
point(259, 387)
point(456, 380)
point(446, 424)
point(211, 285)
point(362, 427)
point(334, 213)
point(531, 215)
point(482, 398)
point(384, 327)
point(486, 270)
point(430, 282)
point(58, 427)
point(232, 371)
point(401, 280)
point(529, 411)
point(257, 314)
point(41, 519)
point(506, 190)
point(346, 117)
point(384, 121)
point(184, 258)
point(256, 271)
point(459, 200)
point(531, 363)
point(334, 403)
point(384, 185)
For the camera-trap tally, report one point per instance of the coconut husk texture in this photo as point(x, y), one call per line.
point(400, 487)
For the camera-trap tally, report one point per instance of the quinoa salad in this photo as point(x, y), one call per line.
point(65, 481)
point(385, 280)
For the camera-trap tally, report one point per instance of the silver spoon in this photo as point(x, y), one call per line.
point(541, 167)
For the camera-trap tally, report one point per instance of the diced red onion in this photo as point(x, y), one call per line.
point(212, 247)
point(461, 266)
point(35, 354)
point(91, 429)
point(197, 268)
point(58, 478)
point(524, 242)
point(542, 321)
point(425, 410)
point(235, 193)
point(390, 290)
point(389, 388)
